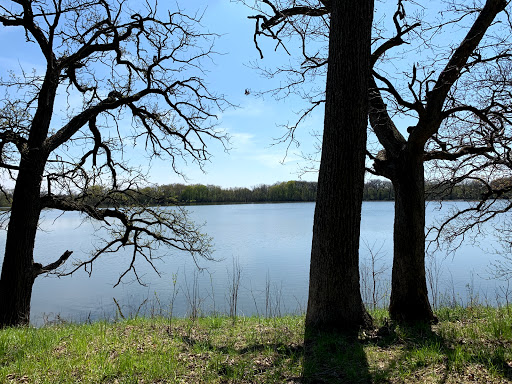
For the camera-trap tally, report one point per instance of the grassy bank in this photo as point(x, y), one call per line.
point(468, 345)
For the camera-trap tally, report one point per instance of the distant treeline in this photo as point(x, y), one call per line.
point(382, 190)
point(198, 193)
point(293, 191)
point(374, 190)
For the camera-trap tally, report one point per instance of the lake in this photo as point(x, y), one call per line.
point(271, 243)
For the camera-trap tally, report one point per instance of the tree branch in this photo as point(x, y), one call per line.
point(26, 20)
point(382, 124)
point(38, 269)
point(264, 24)
point(141, 228)
point(113, 101)
point(430, 121)
point(416, 106)
point(463, 151)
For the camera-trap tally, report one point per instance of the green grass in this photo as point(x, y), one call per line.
point(468, 345)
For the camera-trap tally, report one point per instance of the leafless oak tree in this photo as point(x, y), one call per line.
point(435, 95)
point(435, 101)
point(114, 78)
point(334, 301)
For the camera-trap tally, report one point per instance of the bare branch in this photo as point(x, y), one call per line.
point(431, 119)
point(50, 268)
point(463, 151)
point(144, 229)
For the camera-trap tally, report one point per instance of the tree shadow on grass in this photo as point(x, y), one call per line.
point(331, 358)
point(263, 361)
point(335, 358)
point(421, 351)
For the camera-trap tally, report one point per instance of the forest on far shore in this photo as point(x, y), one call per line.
point(290, 191)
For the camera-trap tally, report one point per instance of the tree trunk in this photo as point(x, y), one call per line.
point(18, 273)
point(335, 302)
point(409, 296)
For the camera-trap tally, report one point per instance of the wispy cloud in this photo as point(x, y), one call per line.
point(250, 108)
point(274, 160)
point(240, 140)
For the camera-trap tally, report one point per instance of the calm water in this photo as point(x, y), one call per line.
point(271, 242)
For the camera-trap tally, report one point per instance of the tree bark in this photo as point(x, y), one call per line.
point(409, 301)
point(402, 163)
point(18, 271)
point(334, 302)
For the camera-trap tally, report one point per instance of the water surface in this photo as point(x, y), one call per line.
point(271, 242)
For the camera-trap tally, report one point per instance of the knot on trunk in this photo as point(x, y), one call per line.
point(382, 155)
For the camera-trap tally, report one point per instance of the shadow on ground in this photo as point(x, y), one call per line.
point(390, 354)
point(335, 358)
point(420, 354)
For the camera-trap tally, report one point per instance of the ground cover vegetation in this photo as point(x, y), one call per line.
point(469, 344)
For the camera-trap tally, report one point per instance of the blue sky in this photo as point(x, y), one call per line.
point(253, 158)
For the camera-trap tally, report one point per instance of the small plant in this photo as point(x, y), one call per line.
point(119, 311)
point(433, 270)
point(175, 291)
point(194, 300)
point(268, 297)
point(373, 287)
point(234, 287)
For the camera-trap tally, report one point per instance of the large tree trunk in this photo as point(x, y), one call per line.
point(335, 302)
point(409, 298)
point(18, 272)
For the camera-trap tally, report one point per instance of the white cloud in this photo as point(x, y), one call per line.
point(274, 160)
point(241, 140)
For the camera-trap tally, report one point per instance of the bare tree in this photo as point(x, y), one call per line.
point(433, 95)
point(334, 301)
point(137, 76)
point(436, 102)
